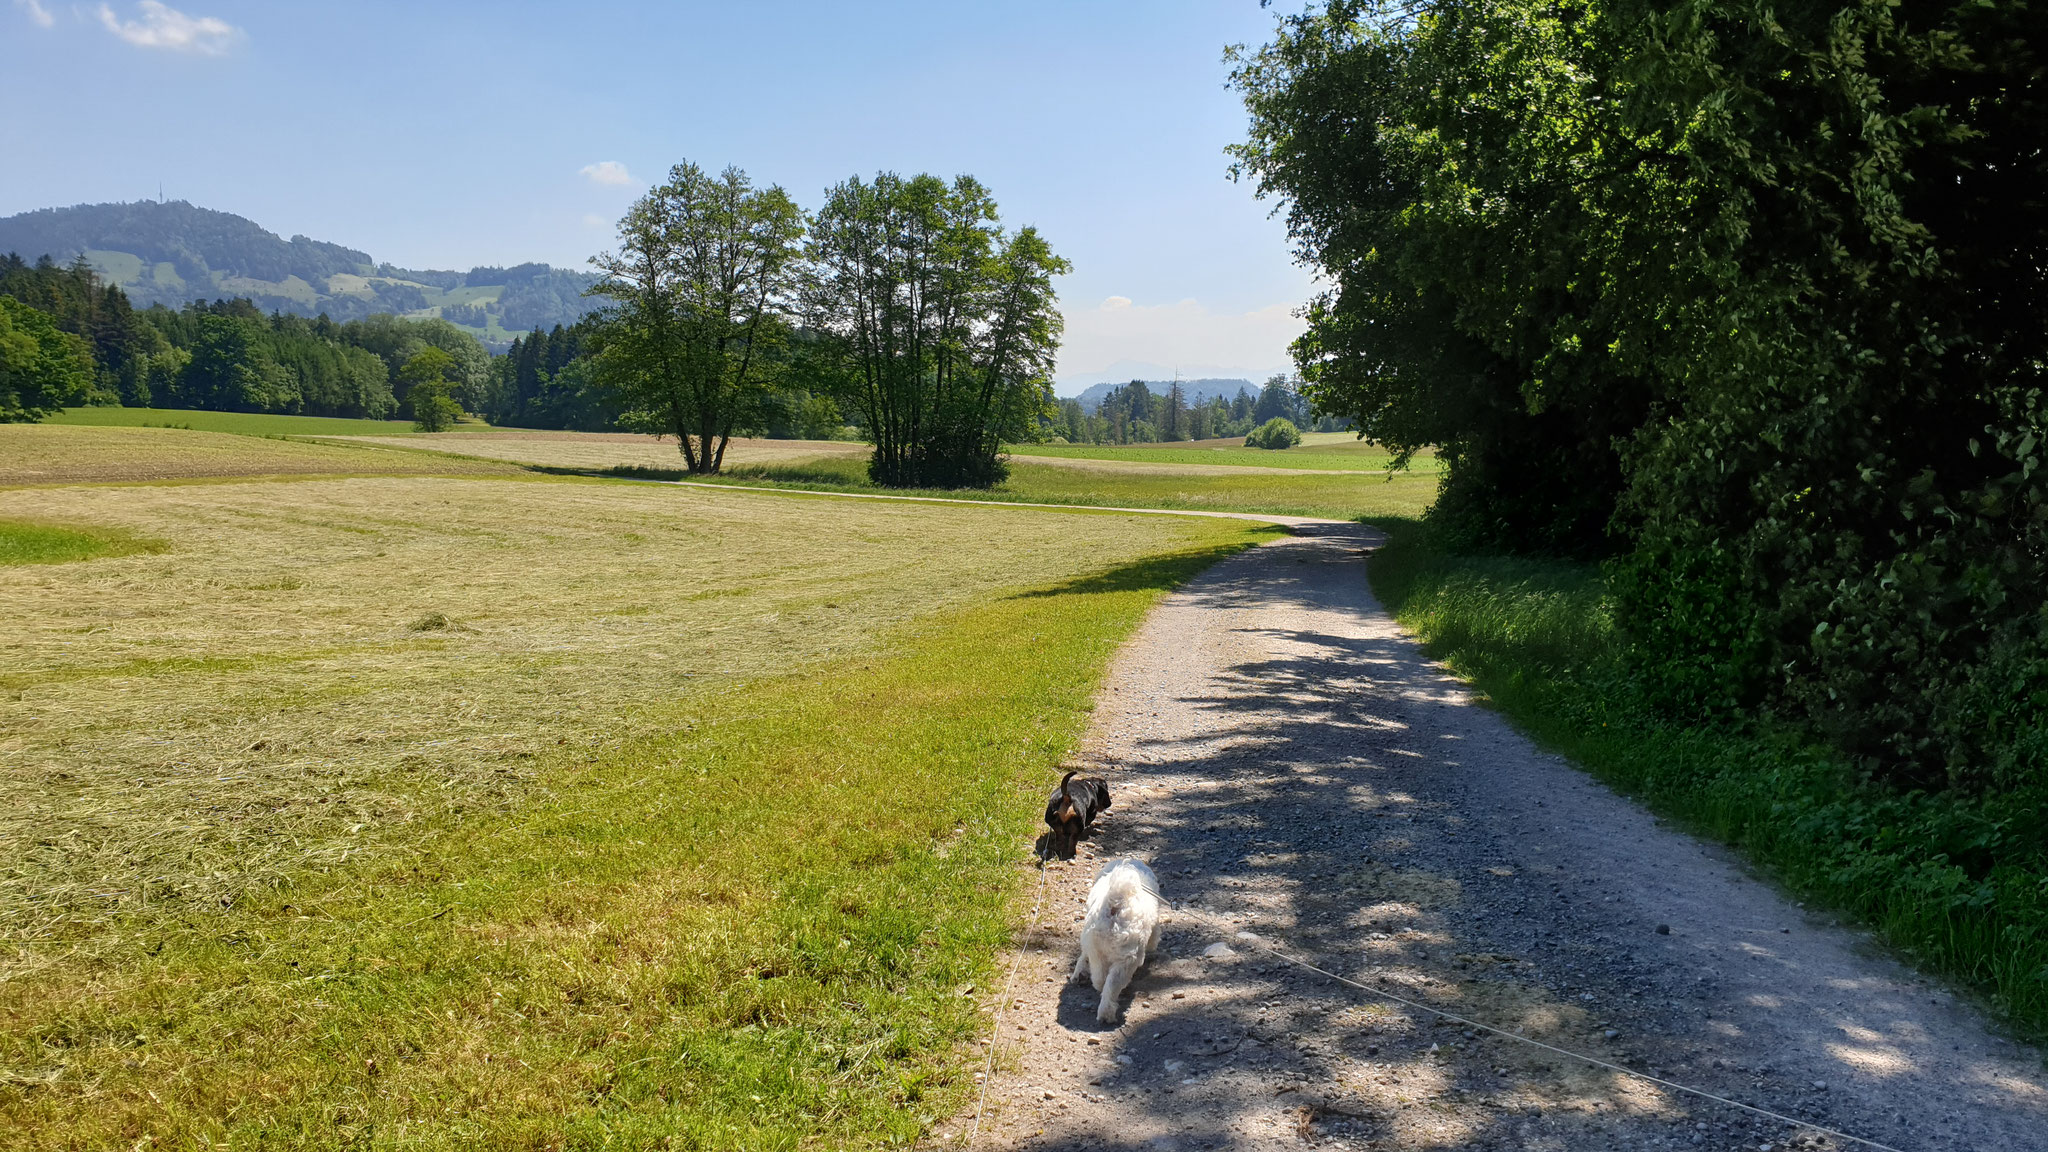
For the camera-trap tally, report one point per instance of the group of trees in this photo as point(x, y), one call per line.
point(91, 347)
point(1748, 296)
point(901, 303)
point(1134, 414)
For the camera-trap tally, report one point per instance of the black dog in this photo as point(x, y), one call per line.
point(1070, 813)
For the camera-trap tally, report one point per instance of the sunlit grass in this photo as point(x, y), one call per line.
point(239, 423)
point(684, 815)
point(1958, 881)
point(47, 454)
point(1335, 496)
point(1345, 454)
point(36, 542)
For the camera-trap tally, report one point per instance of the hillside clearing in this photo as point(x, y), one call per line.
point(243, 423)
point(44, 455)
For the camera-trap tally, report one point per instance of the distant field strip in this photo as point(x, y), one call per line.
point(44, 454)
point(1335, 495)
point(597, 451)
point(1320, 454)
point(1133, 479)
point(244, 423)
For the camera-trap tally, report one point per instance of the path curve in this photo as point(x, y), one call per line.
point(1293, 767)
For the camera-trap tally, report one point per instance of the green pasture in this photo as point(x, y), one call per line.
point(1337, 496)
point(1322, 451)
point(240, 423)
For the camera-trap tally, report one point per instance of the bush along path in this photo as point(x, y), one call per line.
point(1302, 778)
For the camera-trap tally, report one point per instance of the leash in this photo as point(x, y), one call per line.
point(1383, 994)
point(988, 1069)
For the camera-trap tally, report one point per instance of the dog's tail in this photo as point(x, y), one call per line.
point(1065, 794)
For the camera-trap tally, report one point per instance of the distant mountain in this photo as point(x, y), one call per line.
point(172, 253)
point(1092, 397)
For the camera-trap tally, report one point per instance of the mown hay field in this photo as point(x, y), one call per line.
point(442, 811)
point(598, 451)
point(1318, 451)
point(46, 454)
point(1334, 495)
point(1138, 477)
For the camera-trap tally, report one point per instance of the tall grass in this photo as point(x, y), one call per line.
point(1958, 882)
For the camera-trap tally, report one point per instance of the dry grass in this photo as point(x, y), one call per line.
point(314, 667)
point(597, 451)
point(48, 454)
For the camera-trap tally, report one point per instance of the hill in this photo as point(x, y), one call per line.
point(1092, 397)
point(174, 252)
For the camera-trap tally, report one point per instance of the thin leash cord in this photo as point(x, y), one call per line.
point(988, 1069)
point(1593, 1060)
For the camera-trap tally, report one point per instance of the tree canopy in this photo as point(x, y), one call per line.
point(1749, 294)
point(701, 280)
point(932, 324)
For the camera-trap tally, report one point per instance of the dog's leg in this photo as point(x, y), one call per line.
point(1080, 965)
point(1120, 974)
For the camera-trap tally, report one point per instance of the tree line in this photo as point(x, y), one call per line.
point(1746, 297)
point(1134, 414)
point(66, 339)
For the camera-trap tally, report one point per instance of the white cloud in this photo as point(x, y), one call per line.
point(37, 14)
point(593, 220)
point(1119, 336)
point(165, 27)
point(607, 172)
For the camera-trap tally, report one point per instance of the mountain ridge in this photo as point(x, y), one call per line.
point(173, 252)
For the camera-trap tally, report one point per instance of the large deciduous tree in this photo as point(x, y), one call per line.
point(1757, 285)
point(701, 279)
point(933, 324)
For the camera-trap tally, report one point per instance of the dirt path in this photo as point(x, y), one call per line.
point(1293, 768)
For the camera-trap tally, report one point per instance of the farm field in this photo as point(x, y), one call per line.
point(243, 423)
point(1132, 480)
point(45, 454)
point(1335, 495)
point(598, 451)
point(1321, 451)
point(511, 811)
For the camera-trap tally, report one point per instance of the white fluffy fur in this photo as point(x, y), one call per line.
point(1120, 930)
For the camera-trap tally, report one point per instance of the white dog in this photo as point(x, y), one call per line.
point(1120, 931)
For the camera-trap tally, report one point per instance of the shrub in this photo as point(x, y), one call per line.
point(1279, 432)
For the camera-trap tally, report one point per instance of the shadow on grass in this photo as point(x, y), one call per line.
point(1153, 572)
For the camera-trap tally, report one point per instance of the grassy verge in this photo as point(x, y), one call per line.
point(1337, 496)
point(34, 542)
point(434, 813)
point(1960, 884)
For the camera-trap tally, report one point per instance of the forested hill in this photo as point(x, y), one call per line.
point(172, 253)
point(1194, 391)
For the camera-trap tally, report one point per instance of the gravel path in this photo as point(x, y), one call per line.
point(1293, 768)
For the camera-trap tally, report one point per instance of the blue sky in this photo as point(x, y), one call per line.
point(453, 134)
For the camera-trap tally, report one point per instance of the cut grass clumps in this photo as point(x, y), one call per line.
point(1959, 882)
point(761, 913)
point(34, 542)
